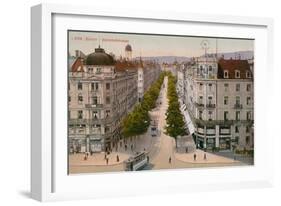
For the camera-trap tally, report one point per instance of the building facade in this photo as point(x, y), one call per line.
point(100, 95)
point(148, 72)
point(218, 95)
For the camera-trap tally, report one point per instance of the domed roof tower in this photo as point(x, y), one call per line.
point(99, 57)
point(128, 52)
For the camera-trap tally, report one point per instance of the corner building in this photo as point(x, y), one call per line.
point(99, 98)
point(219, 98)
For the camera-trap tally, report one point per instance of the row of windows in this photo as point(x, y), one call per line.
point(237, 100)
point(237, 129)
point(226, 100)
point(201, 87)
point(237, 87)
point(95, 114)
point(94, 86)
point(98, 70)
point(210, 68)
point(226, 87)
point(237, 74)
point(226, 115)
point(94, 99)
point(237, 115)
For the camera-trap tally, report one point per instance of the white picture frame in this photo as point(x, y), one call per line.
point(49, 179)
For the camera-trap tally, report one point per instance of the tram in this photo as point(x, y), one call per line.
point(154, 129)
point(136, 162)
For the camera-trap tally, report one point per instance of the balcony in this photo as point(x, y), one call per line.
point(105, 120)
point(93, 105)
point(210, 106)
point(199, 105)
point(238, 106)
point(78, 121)
point(95, 91)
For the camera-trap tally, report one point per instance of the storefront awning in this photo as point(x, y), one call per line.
point(187, 118)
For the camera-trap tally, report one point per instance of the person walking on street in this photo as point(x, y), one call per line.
point(194, 157)
point(205, 156)
point(170, 159)
point(107, 161)
point(117, 158)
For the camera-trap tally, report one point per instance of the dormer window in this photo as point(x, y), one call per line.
point(225, 74)
point(237, 74)
point(248, 74)
point(90, 70)
point(98, 70)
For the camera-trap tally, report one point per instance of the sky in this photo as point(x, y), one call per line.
point(153, 45)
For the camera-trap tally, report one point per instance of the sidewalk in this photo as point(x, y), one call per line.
point(97, 159)
point(210, 158)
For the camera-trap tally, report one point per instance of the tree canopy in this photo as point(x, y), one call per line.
point(137, 121)
point(174, 118)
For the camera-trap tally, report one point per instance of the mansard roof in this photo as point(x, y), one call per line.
point(232, 65)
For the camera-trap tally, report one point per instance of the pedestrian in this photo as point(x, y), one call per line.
point(117, 158)
point(105, 155)
point(107, 161)
point(170, 159)
point(194, 157)
point(85, 157)
point(125, 147)
point(186, 149)
point(205, 156)
point(132, 147)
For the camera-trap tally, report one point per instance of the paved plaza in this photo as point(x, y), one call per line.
point(201, 157)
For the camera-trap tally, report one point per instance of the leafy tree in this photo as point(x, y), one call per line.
point(174, 118)
point(137, 121)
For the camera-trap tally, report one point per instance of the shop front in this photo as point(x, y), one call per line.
point(95, 145)
point(200, 142)
point(225, 143)
point(77, 145)
point(211, 143)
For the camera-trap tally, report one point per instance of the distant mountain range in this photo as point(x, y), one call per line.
point(172, 59)
point(166, 59)
point(236, 55)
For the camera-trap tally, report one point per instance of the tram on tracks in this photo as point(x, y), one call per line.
point(136, 162)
